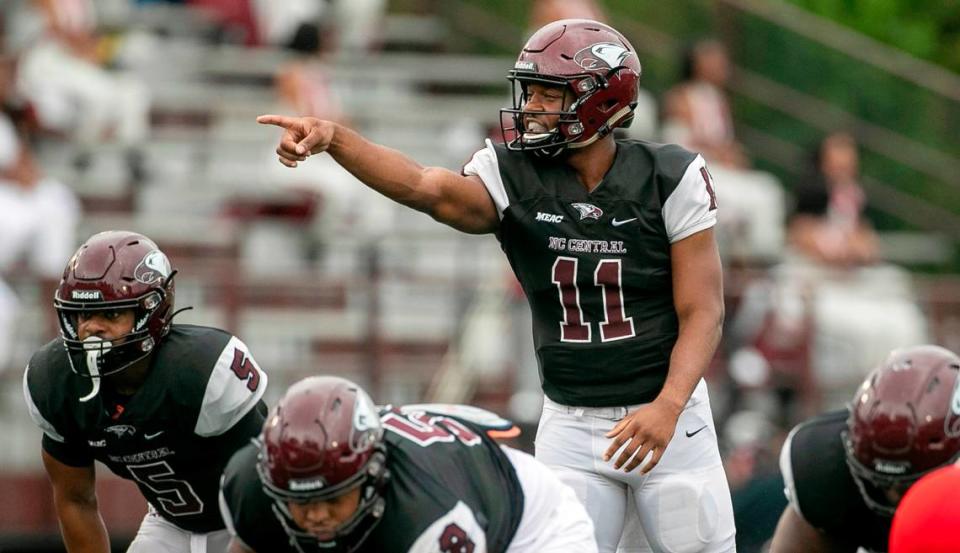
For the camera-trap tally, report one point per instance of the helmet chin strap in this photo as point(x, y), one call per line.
point(95, 347)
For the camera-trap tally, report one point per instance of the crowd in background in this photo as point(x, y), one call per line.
point(819, 309)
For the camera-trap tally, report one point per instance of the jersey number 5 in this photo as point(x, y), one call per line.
point(607, 276)
point(244, 369)
point(454, 540)
point(424, 429)
point(176, 496)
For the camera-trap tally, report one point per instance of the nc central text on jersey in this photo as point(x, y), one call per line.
point(587, 246)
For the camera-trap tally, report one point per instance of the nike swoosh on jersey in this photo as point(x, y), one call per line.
point(617, 223)
point(694, 433)
point(152, 436)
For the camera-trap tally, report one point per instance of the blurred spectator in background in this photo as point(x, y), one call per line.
point(38, 219)
point(62, 75)
point(292, 24)
point(830, 308)
point(751, 443)
point(358, 24)
point(697, 112)
point(548, 11)
point(309, 26)
point(828, 224)
point(236, 21)
point(305, 87)
point(927, 519)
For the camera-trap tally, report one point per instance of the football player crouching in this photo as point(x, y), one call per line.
point(846, 471)
point(163, 405)
point(333, 473)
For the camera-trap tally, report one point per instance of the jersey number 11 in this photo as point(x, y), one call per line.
point(615, 326)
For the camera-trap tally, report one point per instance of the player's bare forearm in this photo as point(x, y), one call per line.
point(82, 527)
point(75, 500)
point(453, 199)
point(696, 344)
point(698, 300)
point(448, 197)
point(796, 535)
point(384, 169)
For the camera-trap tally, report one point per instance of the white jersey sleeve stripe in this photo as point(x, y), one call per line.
point(225, 513)
point(466, 527)
point(687, 210)
point(34, 411)
point(228, 396)
point(786, 469)
point(484, 165)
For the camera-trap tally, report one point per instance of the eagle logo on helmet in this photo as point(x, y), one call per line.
point(602, 55)
point(951, 425)
point(153, 268)
point(588, 211)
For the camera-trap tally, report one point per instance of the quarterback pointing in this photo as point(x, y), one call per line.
point(612, 241)
point(332, 473)
point(160, 404)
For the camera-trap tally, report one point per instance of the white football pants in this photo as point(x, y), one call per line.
point(158, 535)
point(553, 519)
point(683, 503)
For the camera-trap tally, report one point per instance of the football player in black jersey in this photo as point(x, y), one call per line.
point(928, 517)
point(846, 471)
point(160, 404)
point(331, 474)
point(613, 243)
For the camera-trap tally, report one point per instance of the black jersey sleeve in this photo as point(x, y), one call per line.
point(814, 469)
point(44, 389)
point(247, 511)
point(69, 453)
point(821, 489)
point(224, 382)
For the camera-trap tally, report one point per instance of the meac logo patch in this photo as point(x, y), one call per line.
point(548, 217)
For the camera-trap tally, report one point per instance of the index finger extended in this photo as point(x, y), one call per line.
point(278, 120)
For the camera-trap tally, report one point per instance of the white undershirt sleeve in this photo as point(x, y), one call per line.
point(484, 165)
point(692, 207)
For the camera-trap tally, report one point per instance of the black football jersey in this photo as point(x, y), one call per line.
point(199, 404)
point(821, 489)
point(451, 489)
point(595, 266)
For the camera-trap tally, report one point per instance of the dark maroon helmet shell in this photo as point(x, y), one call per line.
point(116, 270)
point(594, 63)
point(321, 440)
point(905, 419)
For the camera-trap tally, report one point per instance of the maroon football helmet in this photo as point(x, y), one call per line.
point(593, 63)
point(904, 422)
point(323, 439)
point(115, 270)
